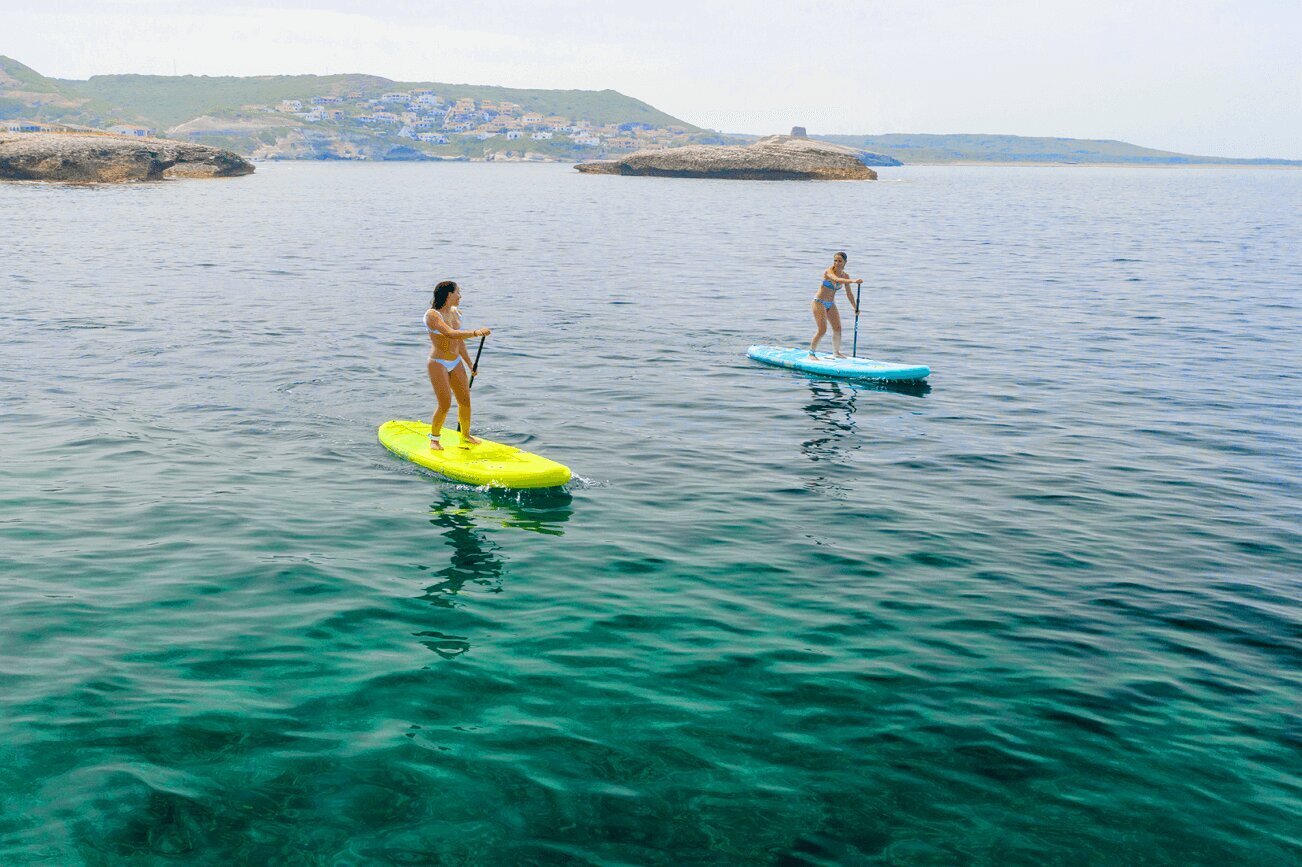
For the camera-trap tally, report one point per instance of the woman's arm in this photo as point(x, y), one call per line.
point(854, 299)
point(829, 274)
point(440, 325)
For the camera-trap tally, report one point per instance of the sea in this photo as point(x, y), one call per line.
point(1040, 609)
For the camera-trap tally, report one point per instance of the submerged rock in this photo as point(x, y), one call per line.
point(776, 158)
point(101, 158)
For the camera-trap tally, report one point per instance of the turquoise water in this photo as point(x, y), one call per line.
point(1040, 610)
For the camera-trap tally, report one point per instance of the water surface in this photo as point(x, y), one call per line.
point(1040, 610)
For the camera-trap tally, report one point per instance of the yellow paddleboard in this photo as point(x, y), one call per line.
point(485, 463)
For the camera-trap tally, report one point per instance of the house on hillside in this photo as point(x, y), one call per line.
point(513, 134)
point(21, 126)
point(532, 119)
point(289, 106)
point(127, 129)
point(432, 138)
point(542, 135)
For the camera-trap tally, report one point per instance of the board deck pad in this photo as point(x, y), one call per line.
point(485, 463)
point(842, 368)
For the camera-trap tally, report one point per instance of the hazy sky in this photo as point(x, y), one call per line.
point(1199, 76)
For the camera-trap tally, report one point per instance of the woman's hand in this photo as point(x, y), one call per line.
point(860, 282)
point(483, 332)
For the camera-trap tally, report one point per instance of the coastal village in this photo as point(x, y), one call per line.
point(350, 117)
point(416, 122)
point(423, 117)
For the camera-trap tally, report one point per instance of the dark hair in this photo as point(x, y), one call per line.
point(441, 293)
point(844, 258)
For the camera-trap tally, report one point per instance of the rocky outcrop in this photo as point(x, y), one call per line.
point(776, 158)
point(96, 158)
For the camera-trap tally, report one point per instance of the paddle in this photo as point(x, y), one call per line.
point(857, 293)
point(473, 368)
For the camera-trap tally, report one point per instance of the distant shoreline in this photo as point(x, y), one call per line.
point(919, 164)
point(1053, 165)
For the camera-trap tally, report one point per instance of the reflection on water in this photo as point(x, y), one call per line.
point(462, 515)
point(832, 408)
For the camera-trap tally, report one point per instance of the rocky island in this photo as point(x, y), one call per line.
point(775, 158)
point(101, 158)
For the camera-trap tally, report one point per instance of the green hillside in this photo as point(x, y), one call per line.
point(16, 76)
point(164, 101)
point(927, 148)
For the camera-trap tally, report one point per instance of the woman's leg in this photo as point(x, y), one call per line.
point(460, 383)
point(438, 378)
point(834, 317)
point(820, 319)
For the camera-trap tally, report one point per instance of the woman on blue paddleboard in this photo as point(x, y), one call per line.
point(824, 304)
point(449, 365)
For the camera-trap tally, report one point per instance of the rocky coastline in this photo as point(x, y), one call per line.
point(777, 157)
point(103, 158)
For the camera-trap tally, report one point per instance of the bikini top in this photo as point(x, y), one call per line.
point(436, 331)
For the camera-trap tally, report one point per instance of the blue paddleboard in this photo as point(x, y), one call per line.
point(825, 364)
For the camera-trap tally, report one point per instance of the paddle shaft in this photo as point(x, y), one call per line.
point(857, 293)
point(474, 367)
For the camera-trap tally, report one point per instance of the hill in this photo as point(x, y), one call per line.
point(164, 101)
point(23, 89)
point(1012, 149)
point(347, 116)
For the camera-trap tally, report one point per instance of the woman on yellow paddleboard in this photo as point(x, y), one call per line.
point(824, 305)
point(450, 368)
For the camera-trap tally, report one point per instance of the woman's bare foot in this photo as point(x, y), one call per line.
point(434, 444)
point(841, 355)
point(467, 438)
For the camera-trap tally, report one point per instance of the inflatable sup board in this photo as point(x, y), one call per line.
point(825, 364)
point(486, 463)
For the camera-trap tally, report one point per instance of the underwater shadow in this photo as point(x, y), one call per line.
point(832, 407)
point(461, 516)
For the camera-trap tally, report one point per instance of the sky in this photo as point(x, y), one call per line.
point(1197, 76)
